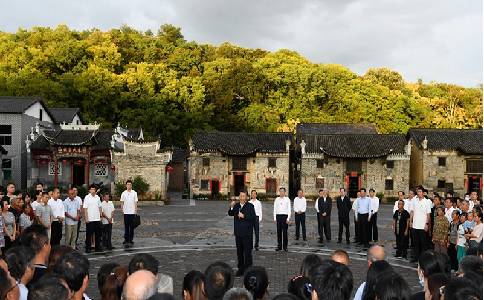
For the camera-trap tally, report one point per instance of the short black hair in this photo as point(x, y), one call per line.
point(461, 288)
point(18, 258)
point(363, 189)
point(431, 262)
point(331, 280)
point(403, 193)
point(219, 278)
point(4, 287)
point(371, 190)
point(143, 261)
point(49, 287)
point(193, 280)
point(321, 190)
point(129, 181)
point(35, 237)
point(391, 286)
point(93, 186)
point(310, 261)
point(73, 268)
point(470, 263)
point(373, 274)
point(253, 191)
point(435, 282)
point(104, 272)
point(282, 188)
point(256, 281)
point(301, 287)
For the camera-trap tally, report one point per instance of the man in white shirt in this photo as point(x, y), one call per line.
point(129, 198)
point(92, 215)
point(406, 202)
point(73, 213)
point(37, 201)
point(58, 215)
point(448, 209)
point(420, 220)
point(258, 213)
point(282, 215)
point(300, 213)
point(79, 200)
point(107, 218)
point(375, 205)
point(354, 207)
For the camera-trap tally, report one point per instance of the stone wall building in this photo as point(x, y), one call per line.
point(224, 163)
point(446, 159)
point(145, 159)
point(351, 156)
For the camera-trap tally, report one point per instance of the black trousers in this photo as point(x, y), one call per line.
point(55, 233)
point(325, 224)
point(281, 231)
point(452, 252)
point(344, 221)
point(363, 225)
point(128, 228)
point(93, 228)
point(357, 231)
point(373, 228)
point(244, 251)
point(256, 232)
point(419, 242)
point(402, 244)
point(107, 231)
point(78, 229)
point(318, 216)
point(301, 222)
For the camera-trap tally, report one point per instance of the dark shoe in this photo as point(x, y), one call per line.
point(285, 249)
point(278, 249)
point(256, 248)
point(348, 242)
point(304, 239)
point(88, 251)
point(131, 243)
point(339, 242)
point(239, 273)
point(321, 241)
point(125, 243)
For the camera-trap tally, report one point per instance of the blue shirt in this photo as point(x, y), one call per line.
point(363, 206)
point(71, 207)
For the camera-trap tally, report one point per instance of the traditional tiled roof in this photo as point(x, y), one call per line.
point(240, 143)
point(18, 105)
point(335, 128)
point(356, 145)
point(3, 151)
point(466, 141)
point(179, 155)
point(97, 139)
point(64, 115)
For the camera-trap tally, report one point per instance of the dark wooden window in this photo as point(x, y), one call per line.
point(5, 129)
point(442, 161)
point(319, 183)
point(320, 163)
point(204, 185)
point(474, 166)
point(206, 162)
point(272, 162)
point(449, 186)
point(239, 163)
point(390, 164)
point(441, 184)
point(353, 165)
point(7, 169)
point(41, 114)
point(6, 135)
point(271, 186)
point(389, 184)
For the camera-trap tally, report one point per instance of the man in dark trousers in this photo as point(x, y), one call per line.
point(244, 218)
point(343, 203)
point(324, 208)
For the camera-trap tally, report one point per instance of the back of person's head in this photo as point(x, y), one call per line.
point(7, 283)
point(431, 262)
point(285, 296)
point(113, 286)
point(392, 286)
point(256, 281)
point(374, 273)
point(162, 296)
point(35, 237)
point(300, 287)
point(470, 263)
point(143, 261)
point(73, 268)
point(56, 253)
point(375, 253)
point(193, 284)
point(49, 287)
point(104, 272)
point(219, 278)
point(475, 278)
point(434, 283)
point(140, 285)
point(331, 280)
point(308, 263)
point(461, 289)
point(237, 294)
point(19, 259)
point(341, 256)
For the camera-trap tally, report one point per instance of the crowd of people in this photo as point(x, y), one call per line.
point(20, 210)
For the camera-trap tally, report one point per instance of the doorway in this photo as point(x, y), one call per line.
point(353, 186)
point(474, 184)
point(239, 184)
point(78, 173)
point(215, 187)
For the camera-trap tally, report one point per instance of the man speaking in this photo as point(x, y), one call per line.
point(244, 217)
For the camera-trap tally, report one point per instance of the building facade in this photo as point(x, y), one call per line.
point(446, 160)
point(224, 163)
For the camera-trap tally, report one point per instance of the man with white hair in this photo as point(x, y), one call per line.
point(140, 286)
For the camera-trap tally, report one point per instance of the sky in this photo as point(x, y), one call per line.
point(434, 40)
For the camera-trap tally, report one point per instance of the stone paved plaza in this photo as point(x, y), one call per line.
point(188, 235)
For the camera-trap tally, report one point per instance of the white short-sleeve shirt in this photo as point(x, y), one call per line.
point(420, 210)
point(92, 203)
point(129, 199)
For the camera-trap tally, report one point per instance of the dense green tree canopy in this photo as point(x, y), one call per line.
point(172, 87)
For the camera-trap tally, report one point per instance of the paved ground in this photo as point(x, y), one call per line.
point(189, 235)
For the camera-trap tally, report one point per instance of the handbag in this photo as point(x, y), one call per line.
point(136, 221)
